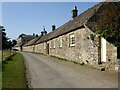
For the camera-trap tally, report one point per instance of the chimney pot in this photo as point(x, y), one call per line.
point(74, 12)
point(45, 32)
point(53, 27)
point(33, 34)
point(42, 33)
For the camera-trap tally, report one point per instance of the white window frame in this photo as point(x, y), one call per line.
point(50, 44)
point(44, 45)
point(60, 41)
point(71, 40)
point(54, 43)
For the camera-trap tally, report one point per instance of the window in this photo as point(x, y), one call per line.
point(54, 43)
point(72, 40)
point(60, 41)
point(50, 44)
point(118, 52)
point(44, 45)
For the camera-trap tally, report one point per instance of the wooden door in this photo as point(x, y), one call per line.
point(103, 50)
point(47, 48)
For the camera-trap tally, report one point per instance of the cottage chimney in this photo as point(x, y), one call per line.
point(33, 34)
point(42, 33)
point(36, 35)
point(45, 32)
point(74, 12)
point(53, 27)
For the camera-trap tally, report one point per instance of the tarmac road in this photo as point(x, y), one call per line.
point(49, 72)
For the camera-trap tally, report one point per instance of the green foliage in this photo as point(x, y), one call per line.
point(6, 42)
point(92, 36)
point(21, 35)
point(14, 42)
point(108, 25)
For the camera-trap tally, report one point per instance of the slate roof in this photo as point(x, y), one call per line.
point(32, 42)
point(96, 17)
point(18, 45)
point(28, 37)
point(71, 25)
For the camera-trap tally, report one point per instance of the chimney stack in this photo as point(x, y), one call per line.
point(33, 34)
point(45, 32)
point(53, 27)
point(36, 35)
point(42, 33)
point(74, 12)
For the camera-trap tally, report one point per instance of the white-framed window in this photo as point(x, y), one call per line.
point(54, 43)
point(71, 40)
point(44, 45)
point(60, 41)
point(50, 44)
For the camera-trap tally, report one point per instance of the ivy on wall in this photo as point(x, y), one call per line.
point(108, 24)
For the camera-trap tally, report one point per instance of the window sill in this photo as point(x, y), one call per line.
point(72, 45)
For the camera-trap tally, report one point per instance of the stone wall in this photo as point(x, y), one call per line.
point(39, 48)
point(85, 49)
point(28, 48)
point(112, 62)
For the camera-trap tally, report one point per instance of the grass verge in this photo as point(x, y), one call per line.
point(14, 73)
point(7, 53)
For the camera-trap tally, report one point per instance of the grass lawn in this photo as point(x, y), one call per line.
point(14, 73)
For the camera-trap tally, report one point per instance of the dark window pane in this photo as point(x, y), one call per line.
point(118, 52)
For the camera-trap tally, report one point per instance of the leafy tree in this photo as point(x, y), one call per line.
point(14, 42)
point(4, 38)
point(108, 25)
point(21, 35)
point(6, 43)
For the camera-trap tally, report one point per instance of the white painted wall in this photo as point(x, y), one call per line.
point(103, 50)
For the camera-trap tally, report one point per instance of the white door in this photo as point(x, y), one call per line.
point(103, 50)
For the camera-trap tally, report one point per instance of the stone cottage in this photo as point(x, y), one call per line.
point(21, 40)
point(77, 41)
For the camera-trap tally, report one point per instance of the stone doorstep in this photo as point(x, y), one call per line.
point(107, 66)
point(102, 68)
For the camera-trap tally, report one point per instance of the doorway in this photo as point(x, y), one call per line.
point(47, 48)
point(118, 52)
point(103, 50)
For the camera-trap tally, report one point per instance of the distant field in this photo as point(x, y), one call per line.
point(14, 73)
point(7, 53)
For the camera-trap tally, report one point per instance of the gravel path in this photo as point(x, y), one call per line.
point(48, 72)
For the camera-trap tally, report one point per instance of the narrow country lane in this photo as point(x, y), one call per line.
point(48, 72)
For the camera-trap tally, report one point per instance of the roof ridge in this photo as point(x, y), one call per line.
point(71, 25)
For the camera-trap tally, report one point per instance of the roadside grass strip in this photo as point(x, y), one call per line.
point(7, 53)
point(14, 73)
